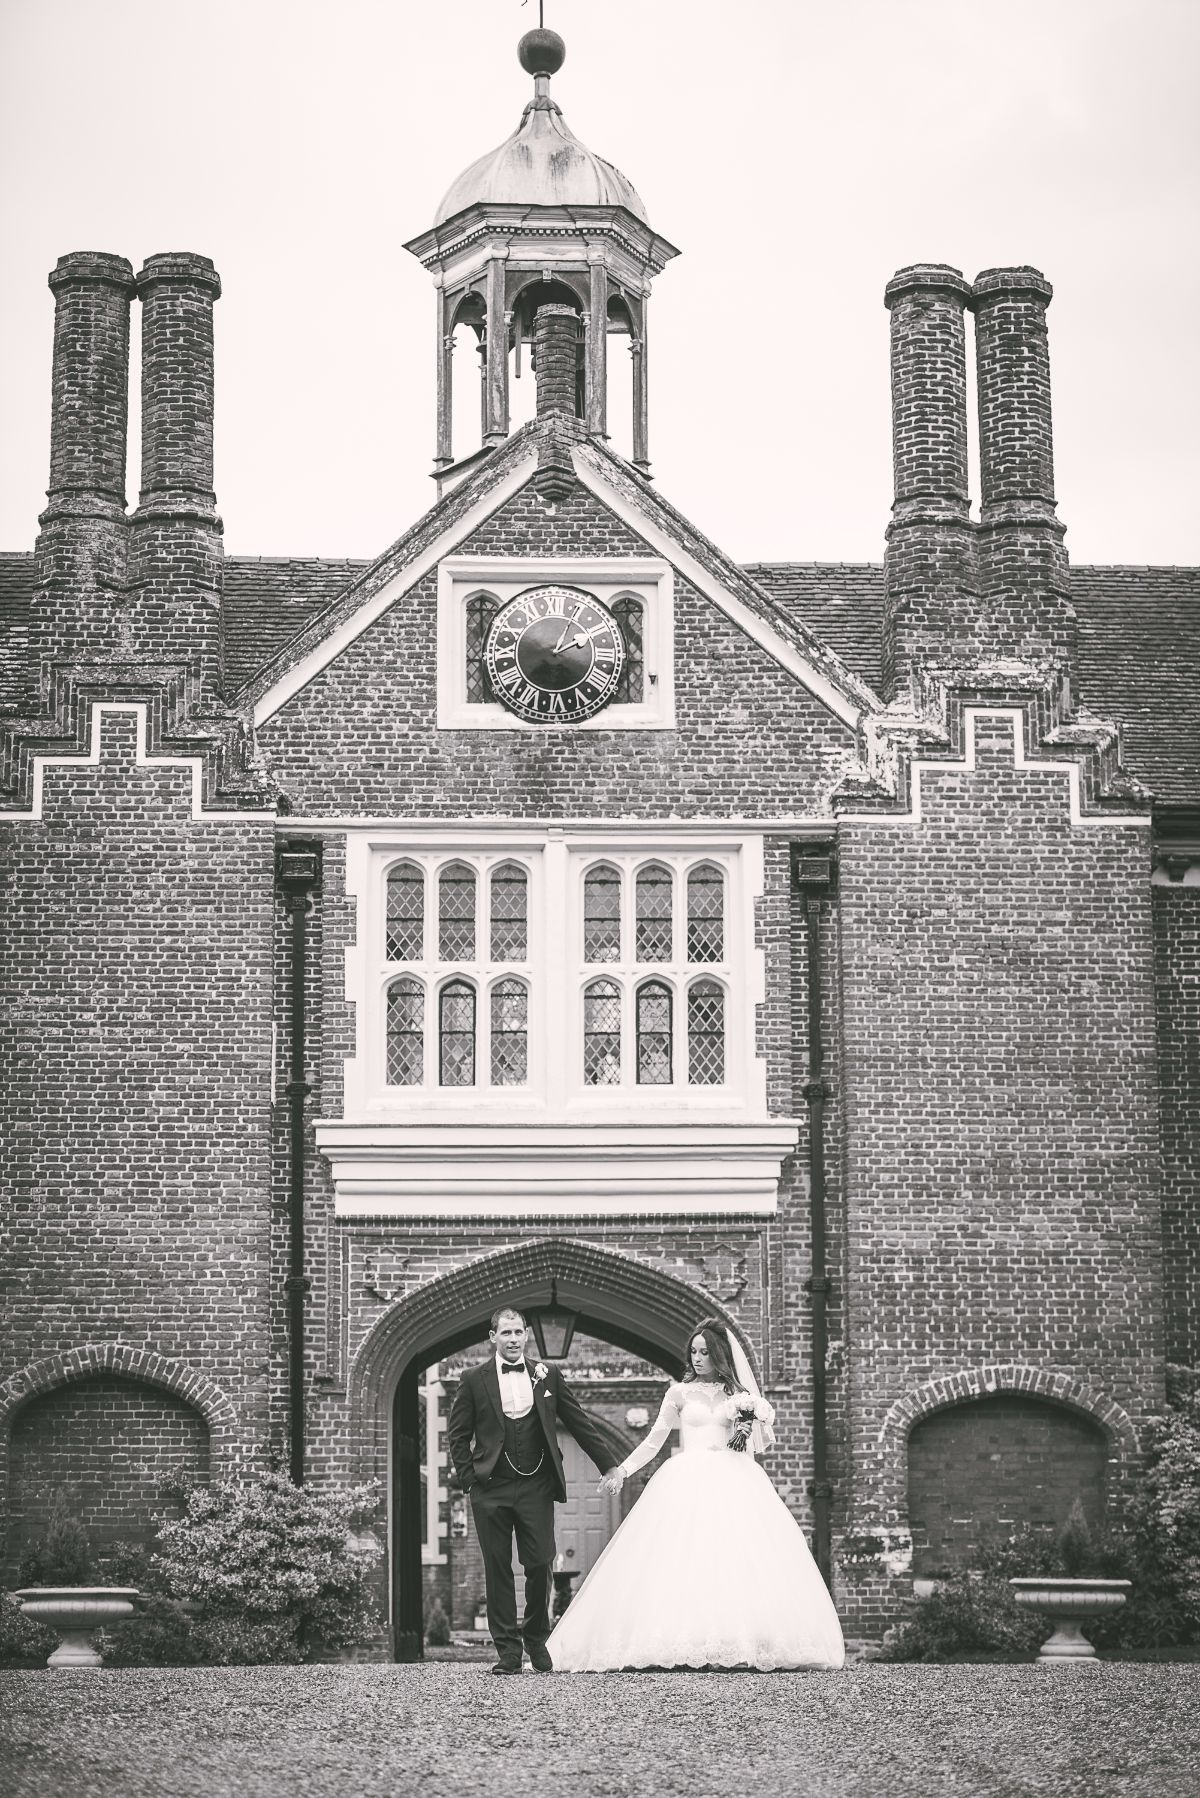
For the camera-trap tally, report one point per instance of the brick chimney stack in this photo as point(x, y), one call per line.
point(176, 540)
point(556, 361)
point(81, 550)
point(930, 578)
point(1023, 562)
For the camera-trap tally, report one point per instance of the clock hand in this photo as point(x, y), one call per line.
point(562, 639)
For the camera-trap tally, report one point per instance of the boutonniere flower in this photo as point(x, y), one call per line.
point(540, 1371)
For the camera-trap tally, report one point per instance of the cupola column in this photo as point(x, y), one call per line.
point(595, 405)
point(641, 394)
point(495, 405)
point(443, 455)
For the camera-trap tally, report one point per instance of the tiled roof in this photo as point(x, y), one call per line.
point(1139, 637)
point(268, 599)
point(840, 602)
point(16, 589)
point(1139, 651)
point(1139, 663)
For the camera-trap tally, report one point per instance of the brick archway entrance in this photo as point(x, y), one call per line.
point(616, 1298)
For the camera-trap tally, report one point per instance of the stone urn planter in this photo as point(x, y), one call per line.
point(1068, 1603)
point(75, 1611)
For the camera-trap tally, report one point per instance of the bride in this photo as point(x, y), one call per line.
point(709, 1569)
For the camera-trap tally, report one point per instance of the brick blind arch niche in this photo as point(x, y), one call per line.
point(626, 1302)
point(117, 1446)
point(984, 1469)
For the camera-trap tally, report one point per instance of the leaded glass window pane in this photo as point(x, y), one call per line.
point(405, 913)
point(628, 614)
point(706, 1034)
point(706, 914)
point(456, 1034)
point(510, 1033)
point(602, 915)
point(405, 1033)
point(653, 907)
point(481, 609)
point(602, 1034)
point(456, 913)
point(654, 1034)
point(510, 909)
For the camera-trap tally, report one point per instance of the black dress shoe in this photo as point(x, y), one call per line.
point(539, 1656)
point(507, 1667)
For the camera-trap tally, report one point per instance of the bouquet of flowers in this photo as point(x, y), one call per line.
point(744, 1411)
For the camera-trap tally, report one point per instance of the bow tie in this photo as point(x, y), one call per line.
point(513, 1367)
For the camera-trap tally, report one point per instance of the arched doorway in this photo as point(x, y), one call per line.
point(615, 1299)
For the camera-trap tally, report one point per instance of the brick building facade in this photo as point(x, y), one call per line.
point(837, 975)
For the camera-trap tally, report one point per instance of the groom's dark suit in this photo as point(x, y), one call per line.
point(512, 1467)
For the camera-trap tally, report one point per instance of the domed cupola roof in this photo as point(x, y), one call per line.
point(543, 163)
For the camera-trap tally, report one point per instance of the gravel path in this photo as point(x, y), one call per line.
point(452, 1731)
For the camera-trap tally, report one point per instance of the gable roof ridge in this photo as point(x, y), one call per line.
point(442, 515)
point(728, 573)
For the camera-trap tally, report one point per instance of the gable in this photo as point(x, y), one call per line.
point(747, 737)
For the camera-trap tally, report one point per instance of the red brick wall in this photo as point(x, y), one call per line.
point(1177, 982)
point(1000, 1092)
point(115, 1447)
point(135, 1060)
point(979, 1472)
point(352, 741)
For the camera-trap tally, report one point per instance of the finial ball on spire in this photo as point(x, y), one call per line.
point(541, 52)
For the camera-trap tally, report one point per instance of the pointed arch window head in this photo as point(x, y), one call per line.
point(602, 1034)
point(405, 913)
point(456, 1034)
point(629, 614)
point(481, 609)
point(654, 1034)
point(706, 1033)
point(602, 915)
point(655, 888)
point(706, 914)
point(405, 1033)
point(510, 1033)
point(456, 913)
point(510, 913)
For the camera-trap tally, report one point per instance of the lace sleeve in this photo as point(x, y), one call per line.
point(668, 1420)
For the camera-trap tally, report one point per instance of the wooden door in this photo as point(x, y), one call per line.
point(584, 1524)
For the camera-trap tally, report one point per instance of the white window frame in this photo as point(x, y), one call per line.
point(648, 579)
point(556, 860)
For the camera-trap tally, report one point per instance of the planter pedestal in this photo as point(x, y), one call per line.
point(1069, 1603)
point(75, 1611)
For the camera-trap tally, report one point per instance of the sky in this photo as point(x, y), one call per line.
point(796, 153)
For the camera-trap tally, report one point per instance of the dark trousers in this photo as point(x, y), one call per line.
point(506, 1506)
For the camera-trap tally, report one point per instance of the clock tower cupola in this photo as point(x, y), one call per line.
point(541, 221)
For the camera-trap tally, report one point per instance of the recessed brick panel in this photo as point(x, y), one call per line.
point(980, 1472)
point(114, 1447)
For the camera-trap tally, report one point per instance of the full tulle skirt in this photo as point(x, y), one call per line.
point(709, 1569)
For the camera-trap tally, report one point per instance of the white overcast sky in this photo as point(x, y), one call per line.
point(797, 153)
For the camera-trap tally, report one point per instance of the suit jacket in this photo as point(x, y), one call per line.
point(476, 1426)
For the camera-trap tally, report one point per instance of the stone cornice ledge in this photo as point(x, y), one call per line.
point(568, 1170)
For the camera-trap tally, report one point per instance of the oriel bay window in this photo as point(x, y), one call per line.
point(559, 976)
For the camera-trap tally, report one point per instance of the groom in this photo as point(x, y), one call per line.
point(504, 1445)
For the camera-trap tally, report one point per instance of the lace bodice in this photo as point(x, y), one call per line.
point(698, 1409)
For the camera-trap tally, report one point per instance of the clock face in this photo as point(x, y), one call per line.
point(554, 655)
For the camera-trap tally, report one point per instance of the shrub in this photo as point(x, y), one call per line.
point(273, 1554)
point(23, 1643)
point(63, 1554)
point(437, 1625)
point(972, 1616)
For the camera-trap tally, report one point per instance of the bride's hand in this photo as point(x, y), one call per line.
point(612, 1481)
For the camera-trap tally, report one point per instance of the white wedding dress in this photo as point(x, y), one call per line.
point(710, 1568)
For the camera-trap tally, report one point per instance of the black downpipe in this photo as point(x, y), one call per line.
point(813, 871)
point(299, 872)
